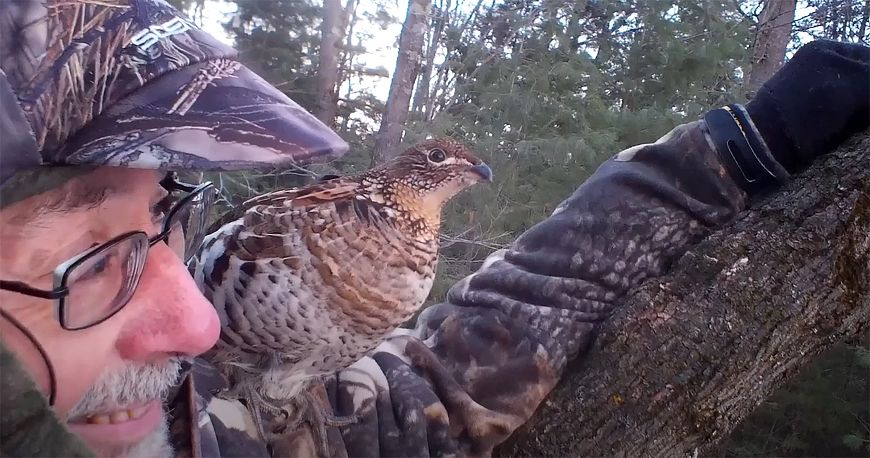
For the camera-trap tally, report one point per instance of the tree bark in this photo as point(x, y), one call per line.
point(332, 34)
point(407, 66)
point(771, 40)
point(690, 354)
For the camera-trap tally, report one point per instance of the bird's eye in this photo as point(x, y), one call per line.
point(437, 155)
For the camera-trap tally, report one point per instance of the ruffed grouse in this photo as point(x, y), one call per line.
point(306, 281)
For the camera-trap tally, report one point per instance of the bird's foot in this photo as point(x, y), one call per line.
point(314, 413)
point(338, 422)
point(270, 407)
point(264, 412)
point(317, 412)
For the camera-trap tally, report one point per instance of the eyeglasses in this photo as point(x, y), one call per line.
point(95, 285)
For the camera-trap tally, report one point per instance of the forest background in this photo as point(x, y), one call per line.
point(544, 91)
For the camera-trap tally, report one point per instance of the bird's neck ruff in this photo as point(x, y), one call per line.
point(415, 213)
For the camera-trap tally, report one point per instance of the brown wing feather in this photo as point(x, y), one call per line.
point(306, 196)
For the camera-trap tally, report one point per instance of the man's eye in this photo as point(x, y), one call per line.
point(95, 267)
point(100, 266)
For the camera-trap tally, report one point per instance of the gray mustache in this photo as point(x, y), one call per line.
point(133, 384)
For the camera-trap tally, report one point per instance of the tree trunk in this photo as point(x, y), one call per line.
point(348, 56)
point(690, 354)
point(865, 15)
point(835, 20)
point(439, 20)
point(771, 40)
point(332, 34)
point(407, 66)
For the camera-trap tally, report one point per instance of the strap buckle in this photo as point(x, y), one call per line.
point(742, 150)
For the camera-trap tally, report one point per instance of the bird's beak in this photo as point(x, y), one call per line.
point(483, 171)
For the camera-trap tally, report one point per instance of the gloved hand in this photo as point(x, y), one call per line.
point(814, 102)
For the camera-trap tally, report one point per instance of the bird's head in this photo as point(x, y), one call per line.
point(427, 175)
point(438, 169)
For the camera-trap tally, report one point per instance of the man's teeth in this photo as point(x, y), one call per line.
point(119, 416)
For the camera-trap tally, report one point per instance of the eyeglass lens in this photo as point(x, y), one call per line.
point(102, 283)
point(187, 224)
point(110, 276)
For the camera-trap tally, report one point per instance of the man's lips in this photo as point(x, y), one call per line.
point(122, 426)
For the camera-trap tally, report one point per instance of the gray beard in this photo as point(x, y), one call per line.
point(134, 383)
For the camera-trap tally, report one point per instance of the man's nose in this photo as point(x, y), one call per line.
point(171, 315)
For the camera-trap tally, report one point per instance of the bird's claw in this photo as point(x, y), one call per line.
point(338, 422)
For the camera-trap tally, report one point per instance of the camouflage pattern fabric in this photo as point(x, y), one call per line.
point(28, 427)
point(477, 366)
point(134, 83)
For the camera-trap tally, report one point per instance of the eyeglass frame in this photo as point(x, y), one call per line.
point(61, 273)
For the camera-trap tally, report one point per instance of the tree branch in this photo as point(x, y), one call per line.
point(690, 354)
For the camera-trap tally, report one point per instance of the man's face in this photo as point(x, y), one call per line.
point(110, 377)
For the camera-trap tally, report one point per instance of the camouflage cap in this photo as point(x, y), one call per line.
point(134, 83)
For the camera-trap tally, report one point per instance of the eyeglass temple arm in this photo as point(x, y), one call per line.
point(23, 288)
point(170, 183)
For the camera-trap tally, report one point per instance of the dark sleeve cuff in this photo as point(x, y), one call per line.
point(742, 149)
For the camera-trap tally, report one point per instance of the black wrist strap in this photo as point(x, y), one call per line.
point(741, 149)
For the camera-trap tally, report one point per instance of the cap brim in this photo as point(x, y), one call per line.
point(214, 115)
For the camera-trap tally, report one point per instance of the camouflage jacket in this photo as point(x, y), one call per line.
point(475, 368)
